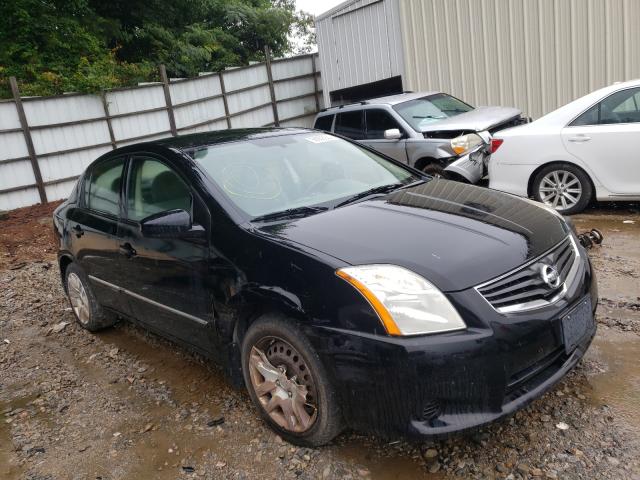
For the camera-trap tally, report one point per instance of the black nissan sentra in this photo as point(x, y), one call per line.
point(343, 288)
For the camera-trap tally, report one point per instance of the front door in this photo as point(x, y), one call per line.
point(166, 279)
point(376, 122)
point(93, 228)
point(607, 139)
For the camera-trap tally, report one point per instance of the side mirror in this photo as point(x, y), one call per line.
point(169, 224)
point(393, 134)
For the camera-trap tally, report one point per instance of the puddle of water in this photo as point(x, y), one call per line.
point(9, 467)
point(619, 385)
point(395, 467)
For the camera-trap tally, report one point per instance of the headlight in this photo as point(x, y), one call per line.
point(464, 143)
point(406, 303)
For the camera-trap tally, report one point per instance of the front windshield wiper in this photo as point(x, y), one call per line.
point(289, 213)
point(429, 116)
point(372, 191)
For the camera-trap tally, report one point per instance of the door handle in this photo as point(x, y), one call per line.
point(77, 229)
point(127, 250)
point(580, 139)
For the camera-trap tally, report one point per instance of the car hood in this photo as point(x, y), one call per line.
point(453, 234)
point(478, 119)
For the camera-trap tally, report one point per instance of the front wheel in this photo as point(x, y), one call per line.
point(288, 383)
point(563, 187)
point(435, 171)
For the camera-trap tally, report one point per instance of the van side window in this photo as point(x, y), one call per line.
point(102, 186)
point(324, 123)
point(378, 121)
point(350, 124)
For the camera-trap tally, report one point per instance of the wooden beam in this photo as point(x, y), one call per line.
point(167, 99)
point(28, 140)
point(105, 106)
point(224, 99)
point(272, 92)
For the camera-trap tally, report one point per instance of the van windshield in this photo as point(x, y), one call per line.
point(279, 173)
point(423, 111)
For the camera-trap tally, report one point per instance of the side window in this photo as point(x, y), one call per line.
point(102, 186)
point(324, 123)
point(619, 107)
point(350, 125)
point(154, 188)
point(378, 121)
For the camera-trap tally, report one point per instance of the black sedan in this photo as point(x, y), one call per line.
point(343, 288)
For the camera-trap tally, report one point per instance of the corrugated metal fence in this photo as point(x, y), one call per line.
point(46, 142)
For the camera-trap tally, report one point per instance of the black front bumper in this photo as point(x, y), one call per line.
point(436, 385)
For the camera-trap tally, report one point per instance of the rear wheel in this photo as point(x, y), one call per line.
point(563, 187)
point(288, 383)
point(84, 304)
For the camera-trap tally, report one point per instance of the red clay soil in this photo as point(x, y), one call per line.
point(26, 235)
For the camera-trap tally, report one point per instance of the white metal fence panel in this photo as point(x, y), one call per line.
point(533, 54)
point(70, 131)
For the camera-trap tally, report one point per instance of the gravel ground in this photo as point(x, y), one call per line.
point(127, 404)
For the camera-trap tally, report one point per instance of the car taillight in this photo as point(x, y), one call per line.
point(495, 144)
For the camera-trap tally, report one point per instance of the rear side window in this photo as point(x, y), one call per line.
point(378, 121)
point(324, 123)
point(619, 107)
point(350, 124)
point(155, 188)
point(102, 186)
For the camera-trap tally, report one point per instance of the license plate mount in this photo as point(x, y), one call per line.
point(577, 324)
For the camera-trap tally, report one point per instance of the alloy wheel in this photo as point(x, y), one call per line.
point(560, 189)
point(283, 384)
point(78, 298)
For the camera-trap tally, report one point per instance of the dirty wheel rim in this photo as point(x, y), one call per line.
point(78, 298)
point(560, 189)
point(283, 383)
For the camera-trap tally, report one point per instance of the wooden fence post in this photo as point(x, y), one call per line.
point(167, 99)
point(107, 117)
point(315, 81)
point(27, 138)
point(223, 90)
point(272, 92)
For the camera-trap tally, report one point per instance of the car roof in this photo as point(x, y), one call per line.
point(186, 142)
point(387, 100)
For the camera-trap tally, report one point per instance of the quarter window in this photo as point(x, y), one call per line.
point(378, 121)
point(102, 186)
point(350, 125)
point(620, 107)
point(155, 188)
point(324, 123)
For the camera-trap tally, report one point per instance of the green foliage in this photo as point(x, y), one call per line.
point(55, 46)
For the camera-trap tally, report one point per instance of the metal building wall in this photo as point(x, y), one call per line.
point(359, 42)
point(533, 54)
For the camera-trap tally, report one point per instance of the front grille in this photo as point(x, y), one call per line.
point(526, 287)
point(514, 122)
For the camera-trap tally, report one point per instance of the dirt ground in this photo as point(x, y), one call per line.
point(125, 404)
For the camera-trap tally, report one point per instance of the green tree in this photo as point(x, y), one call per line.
point(54, 46)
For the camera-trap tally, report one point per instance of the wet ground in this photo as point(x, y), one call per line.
point(126, 404)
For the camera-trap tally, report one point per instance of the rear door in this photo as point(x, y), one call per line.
point(607, 139)
point(93, 227)
point(166, 279)
point(376, 122)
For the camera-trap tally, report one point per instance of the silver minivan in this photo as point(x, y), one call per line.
point(431, 131)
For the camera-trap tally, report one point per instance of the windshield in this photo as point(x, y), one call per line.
point(426, 110)
point(274, 174)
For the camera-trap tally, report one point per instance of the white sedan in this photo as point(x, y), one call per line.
point(588, 149)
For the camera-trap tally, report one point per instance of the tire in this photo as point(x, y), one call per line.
point(575, 190)
point(88, 312)
point(435, 171)
point(270, 335)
